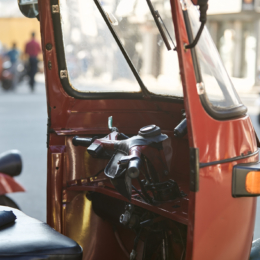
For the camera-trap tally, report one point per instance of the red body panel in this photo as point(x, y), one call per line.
point(9, 185)
point(213, 211)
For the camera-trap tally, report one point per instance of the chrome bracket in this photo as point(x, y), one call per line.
point(63, 74)
point(55, 9)
point(184, 5)
point(200, 88)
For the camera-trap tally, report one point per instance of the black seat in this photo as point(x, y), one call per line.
point(28, 238)
point(255, 250)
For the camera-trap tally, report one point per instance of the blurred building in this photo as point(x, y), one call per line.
point(14, 27)
point(235, 28)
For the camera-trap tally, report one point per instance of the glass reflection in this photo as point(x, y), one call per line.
point(94, 61)
point(135, 26)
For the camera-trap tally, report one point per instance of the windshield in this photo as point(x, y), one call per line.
point(93, 57)
point(94, 61)
point(218, 86)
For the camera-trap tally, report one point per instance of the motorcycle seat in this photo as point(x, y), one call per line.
point(30, 239)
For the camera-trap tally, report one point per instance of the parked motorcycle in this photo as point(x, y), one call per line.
point(12, 74)
point(10, 166)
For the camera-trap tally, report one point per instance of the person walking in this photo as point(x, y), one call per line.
point(13, 54)
point(32, 49)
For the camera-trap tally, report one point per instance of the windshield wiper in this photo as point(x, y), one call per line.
point(158, 20)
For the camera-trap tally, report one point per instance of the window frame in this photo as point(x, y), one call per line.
point(68, 87)
point(213, 111)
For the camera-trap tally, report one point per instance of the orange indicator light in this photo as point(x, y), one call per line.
point(253, 182)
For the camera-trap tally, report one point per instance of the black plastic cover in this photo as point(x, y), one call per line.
point(6, 217)
point(82, 141)
point(114, 170)
point(181, 129)
point(255, 251)
point(11, 163)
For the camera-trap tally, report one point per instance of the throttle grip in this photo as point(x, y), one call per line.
point(134, 165)
point(80, 141)
point(134, 168)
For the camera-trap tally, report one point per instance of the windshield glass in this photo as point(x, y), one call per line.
point(92, 54)
point(218, 86)
point(94, 61)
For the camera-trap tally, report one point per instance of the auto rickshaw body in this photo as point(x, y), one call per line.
point(194, 194)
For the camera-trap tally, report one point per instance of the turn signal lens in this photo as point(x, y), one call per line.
point(253, 182)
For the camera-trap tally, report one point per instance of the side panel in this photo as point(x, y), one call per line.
point(230, 220)
point(220, 227)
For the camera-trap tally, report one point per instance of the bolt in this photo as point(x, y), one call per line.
point(49, 65)
point(48, 46)
point(124, 218)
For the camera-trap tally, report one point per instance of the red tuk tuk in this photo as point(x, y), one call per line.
point(176, 175)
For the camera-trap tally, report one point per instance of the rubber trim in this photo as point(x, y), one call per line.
point(63, 66)
point(222, 114)
point(213, 111)
point(193, 52)
point(203, 165)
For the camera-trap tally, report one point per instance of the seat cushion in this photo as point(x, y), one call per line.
point(28, 238)
point(255, 251)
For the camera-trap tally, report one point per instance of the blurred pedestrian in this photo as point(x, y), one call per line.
point(13, 54)
point(32, 49)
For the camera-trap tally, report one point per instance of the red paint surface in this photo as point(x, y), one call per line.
point(220, 227)
point(9, 185)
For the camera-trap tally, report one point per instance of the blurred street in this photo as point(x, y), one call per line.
point(23, 119)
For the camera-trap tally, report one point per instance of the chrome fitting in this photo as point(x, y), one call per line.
point(200, 88)
point(63, 74)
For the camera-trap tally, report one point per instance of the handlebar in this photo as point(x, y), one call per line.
point(79, 141)
point(134, 165)
point(97, 146)
point(181, 129)
point(134, 168)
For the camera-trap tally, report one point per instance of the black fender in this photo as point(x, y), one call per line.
point(11, 163)
point(255, 251)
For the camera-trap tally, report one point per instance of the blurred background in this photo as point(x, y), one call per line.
point(235, 29)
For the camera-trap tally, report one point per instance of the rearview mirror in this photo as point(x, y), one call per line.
point(29, 8)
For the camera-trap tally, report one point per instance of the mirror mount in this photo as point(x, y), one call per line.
point(203, 5)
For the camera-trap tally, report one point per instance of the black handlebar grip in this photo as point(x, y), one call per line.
point(134, 168)
point(80, 141)
point(181, 129)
